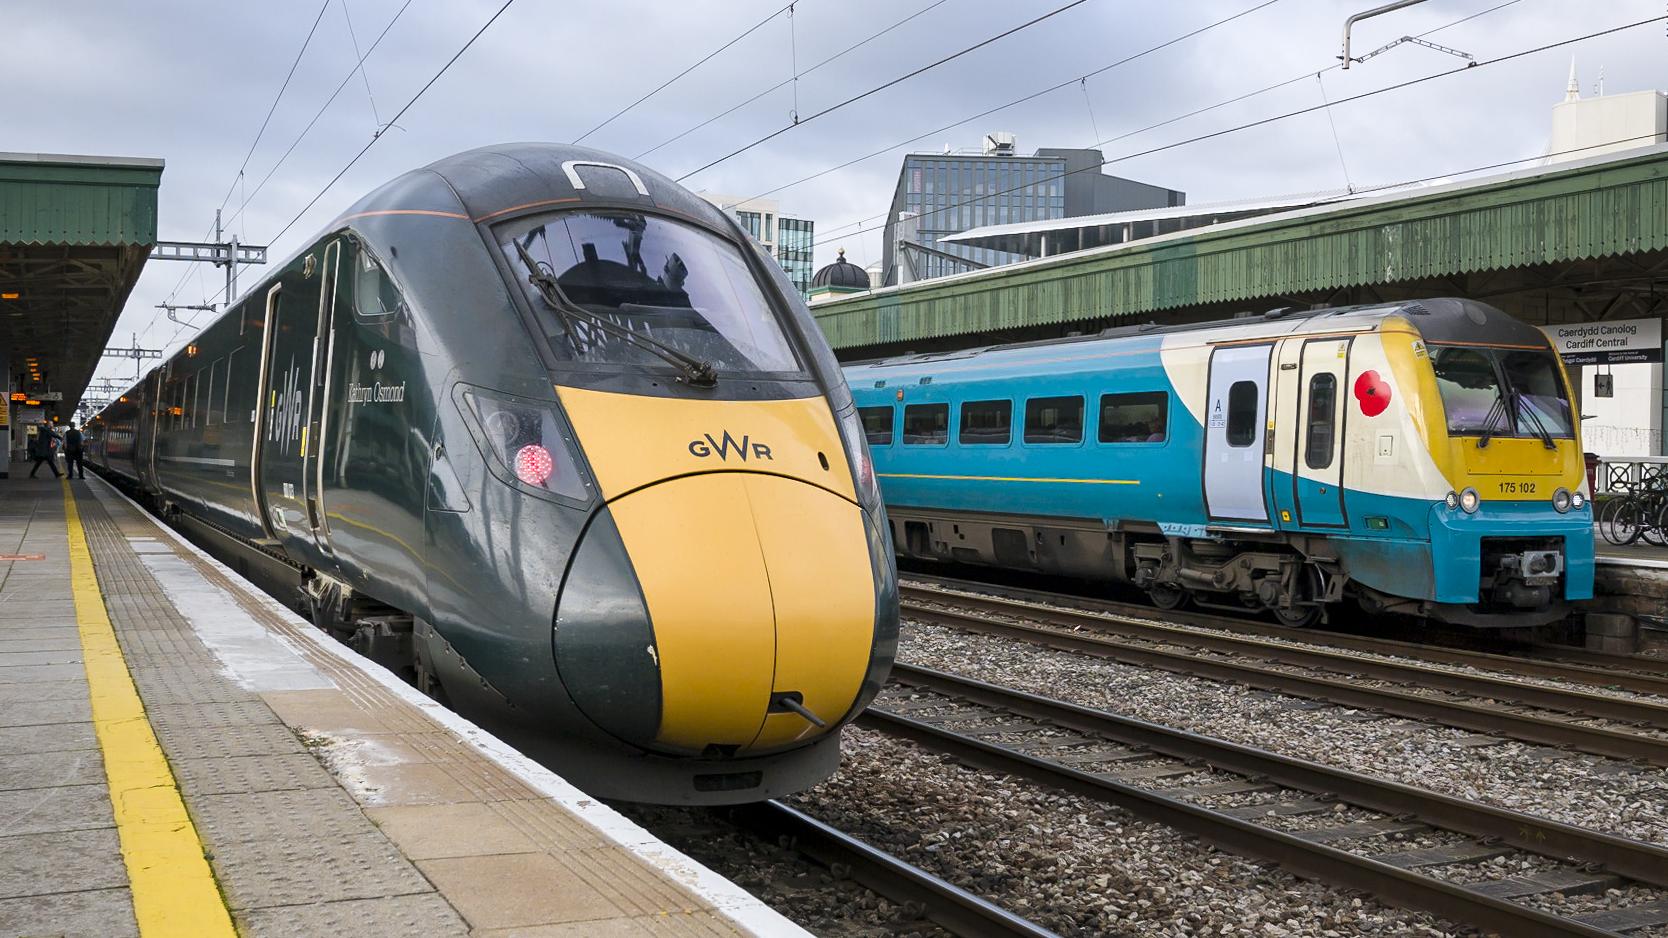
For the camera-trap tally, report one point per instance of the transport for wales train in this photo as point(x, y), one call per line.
point(555, 437)
point(1420, 458)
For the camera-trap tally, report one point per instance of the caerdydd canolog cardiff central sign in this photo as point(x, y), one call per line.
point(1608, 343)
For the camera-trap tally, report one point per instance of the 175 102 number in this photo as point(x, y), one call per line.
point(1517, 488)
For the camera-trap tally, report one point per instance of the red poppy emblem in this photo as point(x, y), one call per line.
point(1373, 392)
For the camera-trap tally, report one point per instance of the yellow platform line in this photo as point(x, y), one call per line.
point(174, 892)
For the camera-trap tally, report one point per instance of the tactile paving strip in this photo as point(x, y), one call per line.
point(285, 842)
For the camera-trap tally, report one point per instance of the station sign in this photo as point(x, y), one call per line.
point(50, 396)
point(1608, 342)
point(19, 396)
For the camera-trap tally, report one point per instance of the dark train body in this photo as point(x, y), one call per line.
point(623, 512)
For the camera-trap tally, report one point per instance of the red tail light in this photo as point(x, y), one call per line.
point(533, 464)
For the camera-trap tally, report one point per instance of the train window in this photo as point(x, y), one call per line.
point(1323, 417)
point(688, 289)
point(877, 425)
point(1138, 417)
point(1054, 420)
point(926, 423)
point(1540, 398)
point(986, 422)
point(1242, 413)
point(217, 381)
point(227, 415)
point(374, 295)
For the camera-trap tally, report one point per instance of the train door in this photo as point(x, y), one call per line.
point(318, 416)
point(286, 381)
point(1318, 470)
point(1236, 403)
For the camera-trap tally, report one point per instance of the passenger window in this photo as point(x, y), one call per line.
point(1242, 413)
point(877, 425)
point(1054, 420)
point(926, 423)
point(986, 422)
point(227, 415)
point(1142, 417)
point(217, 381)
point(1323, 401)
point(374, 294)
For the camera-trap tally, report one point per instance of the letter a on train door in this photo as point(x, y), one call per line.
point(1235, 417)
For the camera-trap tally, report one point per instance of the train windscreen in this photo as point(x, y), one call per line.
point(1502, 392)
point(676, 285)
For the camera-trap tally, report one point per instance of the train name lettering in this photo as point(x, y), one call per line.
point(1517, 488)
point(377, 393)
point(727, 444)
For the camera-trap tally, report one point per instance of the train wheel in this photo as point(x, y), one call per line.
point(1300, 617)
point(1165, 596)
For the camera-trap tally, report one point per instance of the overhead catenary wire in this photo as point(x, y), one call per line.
point(673, 80)
point(883, 86)
point(261, 132)
point(1150, 50)
point(736, 107)
point(346, 80)
point(395, 119)
point(1244, 96)
point(1286, 115)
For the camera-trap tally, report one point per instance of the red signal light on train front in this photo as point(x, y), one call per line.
point(533, 464)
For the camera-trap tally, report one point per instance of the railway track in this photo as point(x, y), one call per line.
point(732, 841)
point(953, 909)
point(1318, 822)
point(1634, 673)
point(1484, 703)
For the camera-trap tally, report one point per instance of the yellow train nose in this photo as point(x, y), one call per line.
point(760, 595)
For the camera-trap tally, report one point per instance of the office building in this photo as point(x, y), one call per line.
point(940, 194)
point(785, 237)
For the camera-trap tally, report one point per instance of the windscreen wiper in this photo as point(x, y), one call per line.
point(695, 371)
point(1534, 420)
point(1496, 411)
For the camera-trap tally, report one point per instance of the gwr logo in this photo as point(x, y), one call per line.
point(727, 444)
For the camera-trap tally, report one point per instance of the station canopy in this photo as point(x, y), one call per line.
point(74, 234)
point(1574, 241)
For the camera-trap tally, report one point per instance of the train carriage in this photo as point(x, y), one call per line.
point(552, 435)
point(1417, 457)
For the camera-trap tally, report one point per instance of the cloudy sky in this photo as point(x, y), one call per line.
point(192, 82)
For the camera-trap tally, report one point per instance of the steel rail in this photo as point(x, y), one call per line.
point(1303, 858)
point(942, 903)
point(1564, 663)
point(1633, 859)
point(1565, 699)
point(1482, 718)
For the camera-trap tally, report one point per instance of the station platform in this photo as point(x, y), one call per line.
point(182, 755)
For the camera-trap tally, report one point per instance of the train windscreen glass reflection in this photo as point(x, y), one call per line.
point(670, 282)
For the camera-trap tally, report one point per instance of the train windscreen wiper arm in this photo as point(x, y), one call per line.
point(1496, 411)
point(695, 371)
point(1535, 420)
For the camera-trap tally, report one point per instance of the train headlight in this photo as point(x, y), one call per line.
point(1452, 501)
point(1561, 500)
point(1578, 501)
point(533, 464)
point(1470, 500)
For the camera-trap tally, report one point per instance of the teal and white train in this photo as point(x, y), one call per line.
point(1419, 457)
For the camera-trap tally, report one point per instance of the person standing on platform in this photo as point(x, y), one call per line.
point(41, 450)
point(73, 466)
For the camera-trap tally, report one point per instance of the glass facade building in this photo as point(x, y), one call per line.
point(940, 194)
point(785, 238)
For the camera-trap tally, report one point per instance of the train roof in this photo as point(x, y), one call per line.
point(489, 182)
point(1439, 320)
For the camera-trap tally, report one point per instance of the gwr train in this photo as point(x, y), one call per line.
point(549, 432)
point(1420, 457)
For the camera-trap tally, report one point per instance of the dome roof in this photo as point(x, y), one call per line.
point(842, 274)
